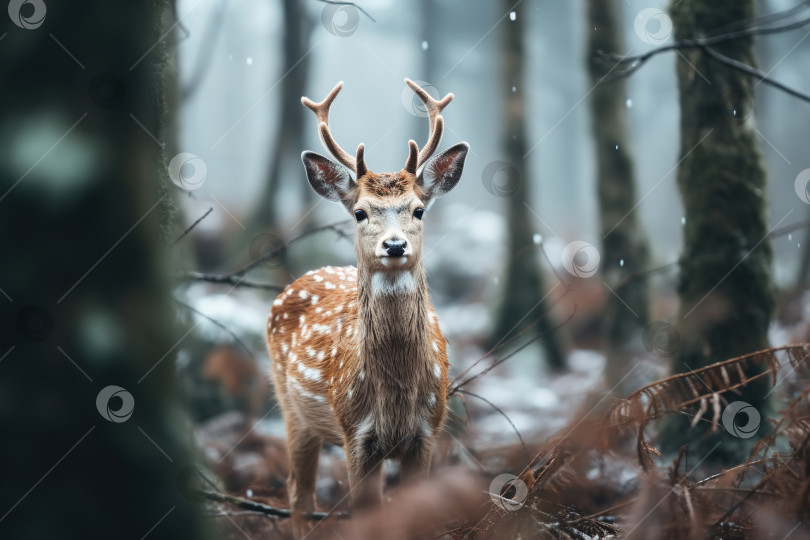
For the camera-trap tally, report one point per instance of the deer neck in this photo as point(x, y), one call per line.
point(393, 321)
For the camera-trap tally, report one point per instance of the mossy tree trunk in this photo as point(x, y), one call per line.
point(84, 202)
point(522, 301)
point(725, 286)
point(625, 249)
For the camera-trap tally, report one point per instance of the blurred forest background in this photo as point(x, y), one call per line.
point(628, 244)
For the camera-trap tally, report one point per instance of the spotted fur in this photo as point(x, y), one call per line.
point(358, 369)
point(358, 358)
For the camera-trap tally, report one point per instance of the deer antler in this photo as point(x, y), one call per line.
point(434, 109)
point(321, 111)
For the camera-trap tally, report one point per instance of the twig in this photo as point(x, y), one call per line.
point(500, 411)
point(218, 324)
point(355, 6)
point(744, 466)
point(191, 227)
point(503, 343)
point(229, 280)
point(787, 229)
point(456, 386)
point(227, 514)
point(231, 514)
point(246, 504)
point(768, 18)
point(754, 72)
point(635, 62)
point(233, 277)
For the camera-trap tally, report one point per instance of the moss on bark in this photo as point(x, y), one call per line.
point(725, 286)
point(625, 249)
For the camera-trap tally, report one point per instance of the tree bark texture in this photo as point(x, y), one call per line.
point(625, 250)
point(93, 437)
point(522, 301)
point(726, 292)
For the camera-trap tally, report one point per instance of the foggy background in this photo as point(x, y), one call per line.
point(230, 121)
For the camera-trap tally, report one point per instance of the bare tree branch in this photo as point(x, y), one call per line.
point(781, 231)
point(754, 72)
point(787, 229)
point(354, 5)
point(246, 504)
point(279, 249)
point(234, 278)
point(456, 385)
point(218, 324)
point(634, 63)
point(191, 227)
point(500, 411)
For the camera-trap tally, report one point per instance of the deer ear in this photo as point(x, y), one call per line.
point(329, 180)
point(442, 172)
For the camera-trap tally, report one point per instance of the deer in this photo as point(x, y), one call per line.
point(357, 356)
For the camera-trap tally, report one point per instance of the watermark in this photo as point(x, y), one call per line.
point(267, 250)
point(730, 417)
point(801, 186)
point(27, 14)
point(340, 20)
point(123, 412)
point(412, 103)
point(508, 492)
point(501, 178)
point(661, 339)
point(653, 26)
point(107, 90)
point(581, 259)
point(35, 323)
point(187, 171)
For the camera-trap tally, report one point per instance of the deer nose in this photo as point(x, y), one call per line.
point(395, 247)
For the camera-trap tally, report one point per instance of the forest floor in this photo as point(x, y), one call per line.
point(581, 470)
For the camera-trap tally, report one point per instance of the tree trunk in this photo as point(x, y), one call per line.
point(624, 245)
point(84, 201)
point(292, 120)
point(803, 272)
point(725, 287)
point(522, 301)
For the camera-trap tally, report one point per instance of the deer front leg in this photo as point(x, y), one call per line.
point(364, 462)
point(303, 450)
point(415, 463)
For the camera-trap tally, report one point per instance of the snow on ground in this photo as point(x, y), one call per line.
point(537, 403)
point(242, 311)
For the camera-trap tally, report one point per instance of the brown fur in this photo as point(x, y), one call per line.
point(341, 356)
point(358, 357)
point(387, 184)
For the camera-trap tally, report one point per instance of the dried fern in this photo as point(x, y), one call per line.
point(703, 387)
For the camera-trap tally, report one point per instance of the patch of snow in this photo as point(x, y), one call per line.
point(586, 361)
point(464, 319)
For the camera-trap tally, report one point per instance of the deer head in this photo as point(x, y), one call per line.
point(388, 207)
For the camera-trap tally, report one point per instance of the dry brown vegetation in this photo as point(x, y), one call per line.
point(601, 476)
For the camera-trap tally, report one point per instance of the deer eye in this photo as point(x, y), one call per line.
point(418, 213)
point(360, 215)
